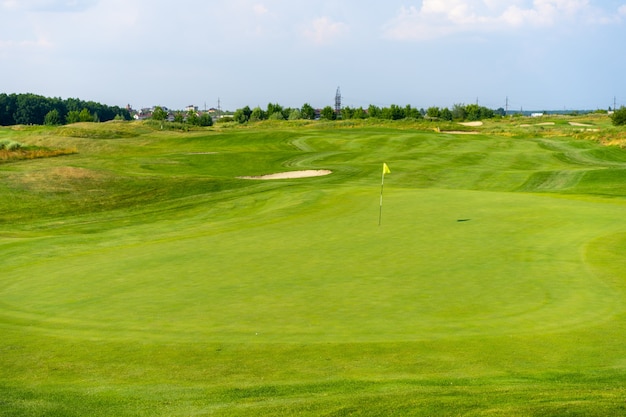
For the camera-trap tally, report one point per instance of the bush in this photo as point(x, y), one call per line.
point(619, 117)
point(10, 145)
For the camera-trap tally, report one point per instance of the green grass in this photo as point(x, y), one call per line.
point(140, 277)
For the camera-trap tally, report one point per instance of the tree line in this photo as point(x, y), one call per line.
point(27, 109)
point(274, 111)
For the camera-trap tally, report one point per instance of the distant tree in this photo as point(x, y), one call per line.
point(242, 115)
point(619, 117)
point(8, 104)
point(257, 114)
point(373, 111)
point(206, 120)
point(52, 118)
point(295, 114)
point(179, 117)
point(445, 114)
point(273, 108)
point(458, 112)
point(328, 113)
point(192, 118)
point(277, 115)
point(393, 112)
point(85, 116)
point(307, 111)
point(159, 113)
point(433, 112)
point(359, 113)
point(72, 117)
point(412, 113)
point(347, 113)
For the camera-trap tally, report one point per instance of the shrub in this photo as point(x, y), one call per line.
point(10, 145)
point(619, 117)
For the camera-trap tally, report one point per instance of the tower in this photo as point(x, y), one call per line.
point(338, 103)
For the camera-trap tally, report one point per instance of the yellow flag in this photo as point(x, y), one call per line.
point(386, 169)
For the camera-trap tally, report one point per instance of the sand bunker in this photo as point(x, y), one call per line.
point(472, 124)
point(290, 175)
point(460, 132)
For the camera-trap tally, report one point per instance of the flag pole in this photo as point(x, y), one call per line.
point(380, 212)
point(382, 185)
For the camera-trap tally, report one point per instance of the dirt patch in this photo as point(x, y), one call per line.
point(290, 175)
point(538, 124)
point(58, 179)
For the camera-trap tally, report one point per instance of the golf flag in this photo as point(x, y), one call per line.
point(386, 170)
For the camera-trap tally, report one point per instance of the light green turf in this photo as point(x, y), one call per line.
point(141, 277)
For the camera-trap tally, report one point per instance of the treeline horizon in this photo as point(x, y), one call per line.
point(33, 109)
point(275, 111)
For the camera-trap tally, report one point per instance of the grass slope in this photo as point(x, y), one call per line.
point(141, 277)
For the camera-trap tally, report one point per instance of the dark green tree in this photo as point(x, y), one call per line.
point(619, 117)
point(347, 113)
point(159, 113)
point(446, 114)
point(458, 112)
point(359, 113)
point(373, 111)
point(295, 114)
point(328, 113)
point(206, 120)
point(307, 111)
point(72, 117)
point(257, 114)
point(85, 116)
point(52, 118)
point(242, 115)
point(192, 118)
point(433, 112)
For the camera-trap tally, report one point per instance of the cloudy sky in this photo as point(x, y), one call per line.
point(541, 54)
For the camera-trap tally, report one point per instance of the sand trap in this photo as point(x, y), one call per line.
point(579, 124)
point(459, 132)
point(290, 175)
point(472, 124)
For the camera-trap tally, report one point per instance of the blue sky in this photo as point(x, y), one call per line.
point(541, 54)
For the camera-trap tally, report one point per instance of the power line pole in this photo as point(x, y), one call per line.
point(338, 103)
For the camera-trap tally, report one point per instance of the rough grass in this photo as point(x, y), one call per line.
point(141, 278)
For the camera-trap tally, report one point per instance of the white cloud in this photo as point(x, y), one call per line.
point(438, 18)
point(324, 30)
point(260, 9)
point(49, 5)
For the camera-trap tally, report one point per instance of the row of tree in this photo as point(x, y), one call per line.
point(190, 117)
point(458, 112)
point(27, 109)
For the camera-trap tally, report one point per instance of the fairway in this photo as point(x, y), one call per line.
point(143, 276)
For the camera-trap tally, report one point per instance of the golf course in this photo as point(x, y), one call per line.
point(149, 271)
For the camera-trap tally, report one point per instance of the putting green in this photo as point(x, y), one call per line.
point(317, 267)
